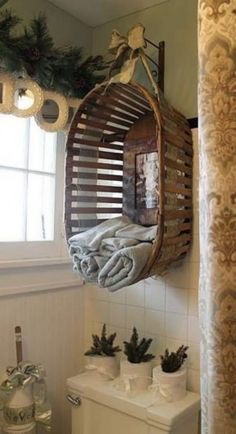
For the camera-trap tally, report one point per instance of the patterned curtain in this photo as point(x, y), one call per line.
point(217, 115)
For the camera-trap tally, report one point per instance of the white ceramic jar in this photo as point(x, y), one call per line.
point(172, 386)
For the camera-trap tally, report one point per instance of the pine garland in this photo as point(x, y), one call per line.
point(33, 54)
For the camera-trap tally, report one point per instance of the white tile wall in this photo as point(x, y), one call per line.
point(165, 309)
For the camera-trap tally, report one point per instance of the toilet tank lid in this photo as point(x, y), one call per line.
point(172, 413)
point(103, 392)
point(144, 406)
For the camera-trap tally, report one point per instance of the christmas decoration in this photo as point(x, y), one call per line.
point(7, 86)
point(37, 100)
point(127, 51)
point(63, 113)
point(33, 54)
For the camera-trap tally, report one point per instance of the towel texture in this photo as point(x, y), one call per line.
point(89, 266)
point(137, 232)
point(111, 245)
point(91, 239)
point(124, 266)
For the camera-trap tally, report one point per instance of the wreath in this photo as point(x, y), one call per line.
point(33, 54)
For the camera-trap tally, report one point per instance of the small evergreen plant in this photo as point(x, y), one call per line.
point(172, 362)
point(103, 346)
point(135, 350)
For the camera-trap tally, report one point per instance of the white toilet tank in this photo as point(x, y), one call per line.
point(99, 408)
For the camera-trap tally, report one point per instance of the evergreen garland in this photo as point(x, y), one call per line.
point(33, 54)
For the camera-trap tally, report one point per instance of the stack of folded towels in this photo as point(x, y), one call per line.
point(113, 253)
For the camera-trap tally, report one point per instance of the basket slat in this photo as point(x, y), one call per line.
point(97, 199)
point(179, 166)
point(91, 210)
point(93, 143)
point(104, 126)
point(101, 108)
point(95, 154)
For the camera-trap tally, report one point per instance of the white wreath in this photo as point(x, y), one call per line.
point(38, 98)
point(63, 113)
point(7, 103)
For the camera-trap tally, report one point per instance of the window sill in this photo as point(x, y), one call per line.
point(75, 283)
point(32, 263)
point(35, 275)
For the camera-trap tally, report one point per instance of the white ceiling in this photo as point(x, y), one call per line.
point(97, 12)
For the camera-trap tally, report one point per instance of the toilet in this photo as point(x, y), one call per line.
point(98, 407)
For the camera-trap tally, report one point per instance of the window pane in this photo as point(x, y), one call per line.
point(14, 141)
point(40, 207)
point(42, 149)
point(13, 207)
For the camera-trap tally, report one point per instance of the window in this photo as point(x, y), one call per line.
point(31, 189)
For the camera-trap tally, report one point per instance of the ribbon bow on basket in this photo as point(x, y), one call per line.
point(128, 50)
point(21, 376)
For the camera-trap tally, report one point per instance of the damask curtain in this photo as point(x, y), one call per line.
point(217, 116)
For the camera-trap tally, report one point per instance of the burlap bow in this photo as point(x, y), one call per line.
point(22, 375)
point(127, 51)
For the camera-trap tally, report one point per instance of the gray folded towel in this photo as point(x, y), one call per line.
point(112, 253)
point(90, 240)
point(124, 267)
point(137, 232)
point(89, 266)
point(111, 245)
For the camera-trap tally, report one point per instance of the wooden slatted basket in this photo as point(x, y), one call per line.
point(118, 136)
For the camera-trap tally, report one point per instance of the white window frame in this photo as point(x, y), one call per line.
point(31, 251)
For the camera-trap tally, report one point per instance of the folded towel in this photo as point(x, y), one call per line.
point(90, 240)
point(111, 245)
point(137, 232)
point(124, 266)
point(79, 251)
point(89, 266)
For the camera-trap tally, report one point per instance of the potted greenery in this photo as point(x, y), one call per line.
point(138, 366)
point(102, 354)
point(171, 376)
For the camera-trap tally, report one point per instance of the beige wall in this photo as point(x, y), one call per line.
point(175, 22)
point(64, 28)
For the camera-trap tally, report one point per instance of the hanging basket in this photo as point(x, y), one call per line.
point(130, 153)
